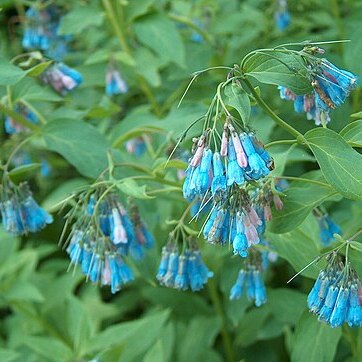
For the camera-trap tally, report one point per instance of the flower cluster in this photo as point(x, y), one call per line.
point(41, 32)
point(20, 213)
point(250, 276)
point(103, 235)
point(115, 84)
point(336, 294)
point(281, 15)
point(182, 271)
point(331, 87)
point(62, 78)
point(12, 126)
point(327, 229)
point(241, 158)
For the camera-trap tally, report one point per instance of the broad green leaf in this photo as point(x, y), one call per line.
point(131, 188)
point(285, 69)
point(8, 355)
point(150, 71)
point(299, 247)
point(134, 9)
point(314, 341)
point(79, 143)
point(24, 172)
point(159, 33)
point(155, 353)
point(49, 348)
point(238, 99)
point(9, 73)
point(352, 133)
point(29, 90)
point(23, 291)
point(79, 18)
point(124, 58)
point(340, 163)
point(124, 333)
point(301, 197)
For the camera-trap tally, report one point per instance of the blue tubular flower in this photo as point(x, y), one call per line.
point(162, 269)
point(327, 228)
point(332, 85)
point(354, 314)
point(262, 152)
point(172, 268)
point(237, 289)
point(328, 305)
point(62, 78)
point(282, 20)
point(198, 273)
point(219, 179)
point(234, 173)
point(182, 279)
point(136, 146)
point(115, 84)
point(214, 234)
point(35, 218)
point(203, 180)
point(240, 243)
point(260, 292)
point(13, 127)
point(257, 167)
point(119, 273)
point(299, 104)
point(339, 312)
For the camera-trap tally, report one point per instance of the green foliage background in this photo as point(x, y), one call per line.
point(49, 314)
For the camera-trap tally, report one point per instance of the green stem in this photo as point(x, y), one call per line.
point(228, 346)
point(166, 189)
point(280, 142)
point(19, 118)
point(116, 20)
point(299, 137)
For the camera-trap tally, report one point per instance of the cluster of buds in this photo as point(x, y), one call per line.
point(103, 235)
point(185, 270)
point(20, 213)
point(336, 296)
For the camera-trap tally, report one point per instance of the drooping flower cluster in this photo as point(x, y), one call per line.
point(281, 15)
point(250, 277)
point(331, 87)
point(182, 271)
point(103, 235)
point(41, 32)
point(327, 229)
point(115, 84)
point(20, 213)
point(241, 158)
point(62, 78)
point(336, 294)
point(12, 126)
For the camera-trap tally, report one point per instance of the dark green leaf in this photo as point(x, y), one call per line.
point(340, 163)
point(78, 142)
point(9, 73)
point(278, 68)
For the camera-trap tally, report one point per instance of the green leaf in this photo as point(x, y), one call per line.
point(79, 143)
point(24, 172)
point(155, 353)
point(314, 341)
point(80, 18)
point(299, 246)
point(285, 69)
point(23, 291)
point(147, 65)
point(131, 188)
point(9, 73)
point(340, 163)
point(49, 348)
point(7, 355)
point(301, 197)
point(352, 133)
point(38, 69)
point(238, 99)
point(159, 33)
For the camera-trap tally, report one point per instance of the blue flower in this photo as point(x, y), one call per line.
point(115, 84)
point(13, 127)
point(219, 179)
point(136, 146)
point(237, 289)
point(327, 228)
point(62, 78)
point(20, 212)
point(282, 20)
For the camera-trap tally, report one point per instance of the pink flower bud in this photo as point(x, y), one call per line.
point(267, 213)
point(254, 217)
point(195, 161)
point(224, 143)
point(278, 203)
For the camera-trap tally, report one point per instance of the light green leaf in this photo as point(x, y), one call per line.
point(159, 33)
point(314, 341)
point(238, 99)
point(340, 163)
point(155, 353)
point(23, 291)
point(278, 68)
point(24, 172)
point(131, 188)
point(38, 69)
point(79, 143)
point(352, 133)
point(79, 18)
point(301, 197)
point(9, 73)
point(7, 355)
